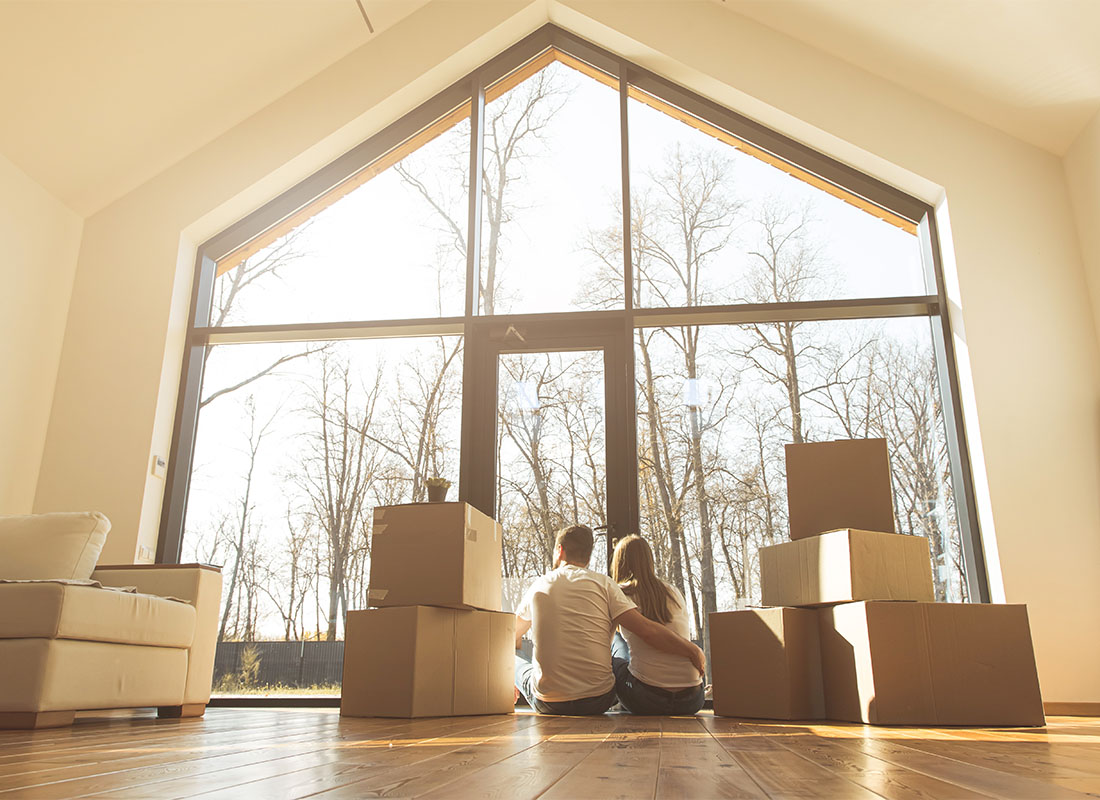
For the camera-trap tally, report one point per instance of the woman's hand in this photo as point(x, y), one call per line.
point(699, 661)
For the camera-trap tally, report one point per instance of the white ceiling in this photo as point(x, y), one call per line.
point(1028, 67)
point(98, 96)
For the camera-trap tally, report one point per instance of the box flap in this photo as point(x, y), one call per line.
point(434, 662)
point(416, 553)
point(502, 662)
point(845, 660)
point(843, 484)
point(803, 654)
point(471, 661)
point(890, 566)
point(379, 657)
point(900, 665)
point(765, 664)
point(983, 665)
point(482, 581)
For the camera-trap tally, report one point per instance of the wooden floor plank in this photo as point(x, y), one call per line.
point(531, 772)
point(968, 776)
point(783, 774)
point(372, 770)
point(624, 765)
point(693, 764)
point(294, 753)
point(297, 762)
point(131, 756)
point(430, 775)
point(881, 777)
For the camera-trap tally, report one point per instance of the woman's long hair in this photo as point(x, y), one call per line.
point(632, 568)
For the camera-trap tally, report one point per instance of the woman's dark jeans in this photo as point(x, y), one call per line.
point(641, 698)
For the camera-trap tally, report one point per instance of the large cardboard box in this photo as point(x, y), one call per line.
point(766, 663)
point(422, 661)
point(929, 664)
point(833, 485)
point(842, 566)
point(435, 554)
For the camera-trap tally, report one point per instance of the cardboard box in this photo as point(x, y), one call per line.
point(766, 663)
point(844, 484)
point(929, 664)
point(435, 554)
point(422, 661)
point(842, 566)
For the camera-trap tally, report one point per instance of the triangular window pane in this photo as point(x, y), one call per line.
point(719, 221)
point(553, 185)
point(372, 248)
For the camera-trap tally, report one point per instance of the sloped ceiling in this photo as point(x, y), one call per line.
point(98, 96)
point(1028, 67)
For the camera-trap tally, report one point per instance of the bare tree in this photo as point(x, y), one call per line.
point(338, 472)
point(241, 551)
point(427, 388)
point(515, 124)
point(229, 288)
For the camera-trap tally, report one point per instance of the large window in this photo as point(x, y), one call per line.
point(581, 294)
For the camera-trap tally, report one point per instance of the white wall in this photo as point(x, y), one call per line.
point(1082, 165)
point(39, 240)
point(1031, 361)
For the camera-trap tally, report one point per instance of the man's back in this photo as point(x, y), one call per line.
point(571, 611)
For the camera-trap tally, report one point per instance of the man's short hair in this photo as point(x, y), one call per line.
point(576, 543)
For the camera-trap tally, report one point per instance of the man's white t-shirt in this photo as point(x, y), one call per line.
point(656, 667)
point(571, 611)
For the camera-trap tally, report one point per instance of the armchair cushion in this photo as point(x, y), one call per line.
point(51, 610)
point(60, 545)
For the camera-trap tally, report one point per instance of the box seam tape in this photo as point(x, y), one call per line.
point(926, 630)
point(454, 660)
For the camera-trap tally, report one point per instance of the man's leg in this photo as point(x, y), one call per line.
point(525, 679)
point(620, 655)
point(588, 706)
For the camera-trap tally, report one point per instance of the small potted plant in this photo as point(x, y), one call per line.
point(437, 489)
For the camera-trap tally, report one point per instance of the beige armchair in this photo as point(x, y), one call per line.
point(68, 644)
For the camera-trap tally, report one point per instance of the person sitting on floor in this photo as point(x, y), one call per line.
point(572, 613)
point(650, 680)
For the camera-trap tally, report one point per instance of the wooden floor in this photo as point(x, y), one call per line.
point(262, 753)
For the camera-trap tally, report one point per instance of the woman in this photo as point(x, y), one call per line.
point(647, 680)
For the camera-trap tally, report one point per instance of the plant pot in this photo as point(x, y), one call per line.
point(437, 494)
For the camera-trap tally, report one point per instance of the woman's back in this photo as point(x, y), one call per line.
point(658, 668)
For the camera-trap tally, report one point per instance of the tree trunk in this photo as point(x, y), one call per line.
point(660, 473)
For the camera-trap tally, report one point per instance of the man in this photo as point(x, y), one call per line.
point(572, 613)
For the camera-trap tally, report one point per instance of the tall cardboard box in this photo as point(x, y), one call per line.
point(422, 661)
point(891, 663)
point(846, 565)
point(843, 484)
point(435, 554)
point(766, 663)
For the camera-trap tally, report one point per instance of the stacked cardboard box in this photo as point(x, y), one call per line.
point(854, 633)
point(436, 642)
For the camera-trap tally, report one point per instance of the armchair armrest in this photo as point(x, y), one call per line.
point(198, 584)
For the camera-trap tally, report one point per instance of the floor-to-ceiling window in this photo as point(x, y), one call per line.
point(634, 303)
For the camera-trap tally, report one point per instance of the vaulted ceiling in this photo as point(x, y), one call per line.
point(1028, 67)
point(100, 95)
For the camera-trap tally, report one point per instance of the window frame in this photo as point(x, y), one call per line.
point(621, 428)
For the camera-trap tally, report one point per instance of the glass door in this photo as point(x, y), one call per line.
point(552, 417)
point(551, 458)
